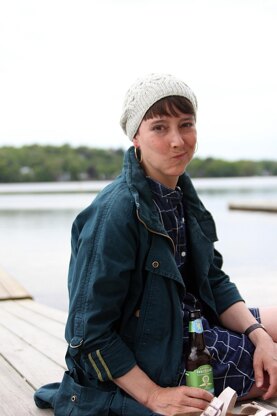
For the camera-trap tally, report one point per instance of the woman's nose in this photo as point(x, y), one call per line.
point(176, 138)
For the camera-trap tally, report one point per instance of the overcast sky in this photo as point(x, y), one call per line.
point(65, 67)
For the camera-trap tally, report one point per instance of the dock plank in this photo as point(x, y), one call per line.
point(32, 351)
point(16, 394)
point(32, 348)
point(10, 288)
point(23, 357)
point(50, 345)
point(34, 318)
point(40, 309)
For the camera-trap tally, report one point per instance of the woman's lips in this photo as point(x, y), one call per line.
point(180, 155)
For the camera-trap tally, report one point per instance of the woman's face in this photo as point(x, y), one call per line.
point(167, 145)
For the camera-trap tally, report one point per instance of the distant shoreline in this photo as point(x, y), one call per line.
point(83, 187)
point(38, 163)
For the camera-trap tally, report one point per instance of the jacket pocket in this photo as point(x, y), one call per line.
point(72, 399)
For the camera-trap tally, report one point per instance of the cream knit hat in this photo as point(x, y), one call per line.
point(144, 93)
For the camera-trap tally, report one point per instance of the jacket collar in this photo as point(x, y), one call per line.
point(142, 194)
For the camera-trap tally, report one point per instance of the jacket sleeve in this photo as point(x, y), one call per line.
point(103, 257)
point(225, 292)
point(215, 287)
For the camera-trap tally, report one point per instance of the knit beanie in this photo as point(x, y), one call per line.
point(144, 93)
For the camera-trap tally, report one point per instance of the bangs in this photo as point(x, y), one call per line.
point(171, 106)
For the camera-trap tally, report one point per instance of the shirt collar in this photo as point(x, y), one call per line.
point(163, 192)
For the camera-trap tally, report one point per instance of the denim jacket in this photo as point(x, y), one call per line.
point(126, 292)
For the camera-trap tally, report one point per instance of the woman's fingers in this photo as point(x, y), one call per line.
point(182, 399)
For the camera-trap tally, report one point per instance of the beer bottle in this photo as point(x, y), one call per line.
point(199, 372)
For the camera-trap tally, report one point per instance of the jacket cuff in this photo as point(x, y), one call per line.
point(112, 361)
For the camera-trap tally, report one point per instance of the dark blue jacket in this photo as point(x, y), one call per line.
point(126, 292)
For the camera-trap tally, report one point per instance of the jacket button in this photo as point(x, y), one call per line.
point(74, 398)
point(155, 264)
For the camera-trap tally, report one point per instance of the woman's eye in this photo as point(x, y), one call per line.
point(187, 125)
point(159, 127)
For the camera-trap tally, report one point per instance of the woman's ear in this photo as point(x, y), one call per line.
point(136, 141)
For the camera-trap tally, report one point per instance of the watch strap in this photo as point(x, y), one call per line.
point(252, 328)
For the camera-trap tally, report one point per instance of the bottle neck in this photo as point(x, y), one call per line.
point(197, 340)
point(196, 336)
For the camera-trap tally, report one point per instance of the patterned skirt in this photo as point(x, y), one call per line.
point(232, 353)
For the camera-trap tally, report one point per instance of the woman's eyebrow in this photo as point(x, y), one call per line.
point(157, 120)
point(188, 117)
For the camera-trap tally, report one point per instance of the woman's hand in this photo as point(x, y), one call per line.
point(265, 362)
point(164, 400)
point(171, 400)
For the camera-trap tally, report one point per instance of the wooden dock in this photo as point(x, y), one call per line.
point(270, 207)
point(32, 350)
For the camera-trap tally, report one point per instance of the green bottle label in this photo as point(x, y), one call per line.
point(196, 326)
point(202, 377)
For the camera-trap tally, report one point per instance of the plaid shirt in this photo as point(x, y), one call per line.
point(232, 352)
point(170, 207)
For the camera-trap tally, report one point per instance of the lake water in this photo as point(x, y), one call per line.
point(36, 219)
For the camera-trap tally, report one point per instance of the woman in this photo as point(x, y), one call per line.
point(142, 257)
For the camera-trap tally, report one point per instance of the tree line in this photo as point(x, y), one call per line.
point(44, 163)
